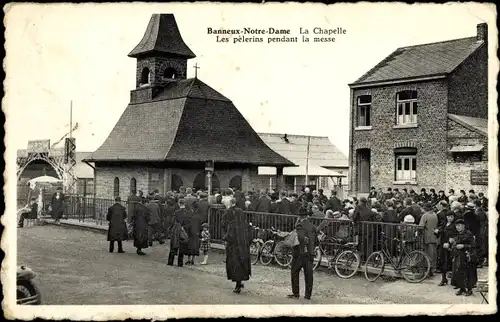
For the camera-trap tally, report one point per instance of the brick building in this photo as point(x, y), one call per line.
point(419, 118)
point(173, 126)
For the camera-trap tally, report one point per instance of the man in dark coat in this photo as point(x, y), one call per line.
point(424, 197)
point(117, 227)
point(57, 205)
point(465, 259)
point(193, 230)
point(240, 199)
point(189, 199)
point(132, 200)
point(263, 204)
point(322, 198)
point(303, 254)
point(179, 237)
point(154, 221)
point(140, 224)
point(362, 214)
point(237, 241)
point(373, 193)
point(333, 203)
point(203, 207)
point(284, 204)
point(482, 235)
point(30, 213)
point(484, 201)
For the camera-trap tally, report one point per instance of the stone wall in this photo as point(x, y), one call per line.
point(150, 178)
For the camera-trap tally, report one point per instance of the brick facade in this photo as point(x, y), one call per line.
point(384, 136)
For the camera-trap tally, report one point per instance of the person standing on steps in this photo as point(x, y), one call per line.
point(303, 254)
point(117, 230)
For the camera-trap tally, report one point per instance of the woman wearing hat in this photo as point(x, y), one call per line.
point(446, 231)
point(464, 270)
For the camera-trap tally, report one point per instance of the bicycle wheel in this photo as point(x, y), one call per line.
point(374, 266)
point(415, 266)
point(347, 264)
point(266, 254)
point(282, 254)
point(318, 256)
point(254, 252)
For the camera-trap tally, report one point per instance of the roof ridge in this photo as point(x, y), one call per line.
point(438, 42)
point(304, 135)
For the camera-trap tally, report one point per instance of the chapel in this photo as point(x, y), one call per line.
point(175, 129)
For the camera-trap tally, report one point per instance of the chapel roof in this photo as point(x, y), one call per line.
point(162, 36)
point(187, 121)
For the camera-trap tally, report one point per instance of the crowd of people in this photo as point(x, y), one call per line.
point(454, 227)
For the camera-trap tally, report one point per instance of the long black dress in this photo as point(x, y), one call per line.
point(238, 266)
point(194, 231)
point(140, 221)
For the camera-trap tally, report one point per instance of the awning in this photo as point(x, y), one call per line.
point(467, 148)
point(313, 170)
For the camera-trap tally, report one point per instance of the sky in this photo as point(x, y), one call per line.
point(59, 53)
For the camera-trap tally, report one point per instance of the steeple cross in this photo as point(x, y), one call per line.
point(196, 70)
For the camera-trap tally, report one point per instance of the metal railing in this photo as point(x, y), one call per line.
point(369, 235)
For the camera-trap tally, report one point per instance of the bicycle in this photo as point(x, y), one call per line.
point(256, 247)
point(276, 249)
point(346, 259)
point(326, 248)
point(403, 266)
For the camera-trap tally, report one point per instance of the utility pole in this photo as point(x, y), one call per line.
point(307, 160)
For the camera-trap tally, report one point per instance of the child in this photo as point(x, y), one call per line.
point(205, 242)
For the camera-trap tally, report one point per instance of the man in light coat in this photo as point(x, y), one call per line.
point(429, 221)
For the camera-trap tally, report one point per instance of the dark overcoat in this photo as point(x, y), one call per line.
point(237, 238)
point(194, 231)
point(117, 227)
point(180, 220)
point(57, 205)
point(140, 222)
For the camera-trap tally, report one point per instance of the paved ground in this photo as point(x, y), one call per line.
point(74, 267)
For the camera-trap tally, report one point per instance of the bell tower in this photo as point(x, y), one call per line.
point(161, 56)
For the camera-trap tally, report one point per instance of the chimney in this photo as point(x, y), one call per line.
point(482, 32)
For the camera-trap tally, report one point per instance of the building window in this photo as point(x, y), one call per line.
point(133, 186)
point(406, 168)
point(145, 77)
point(364, 110)
point(406, 107)
point(116, 187)
point(169, 73)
